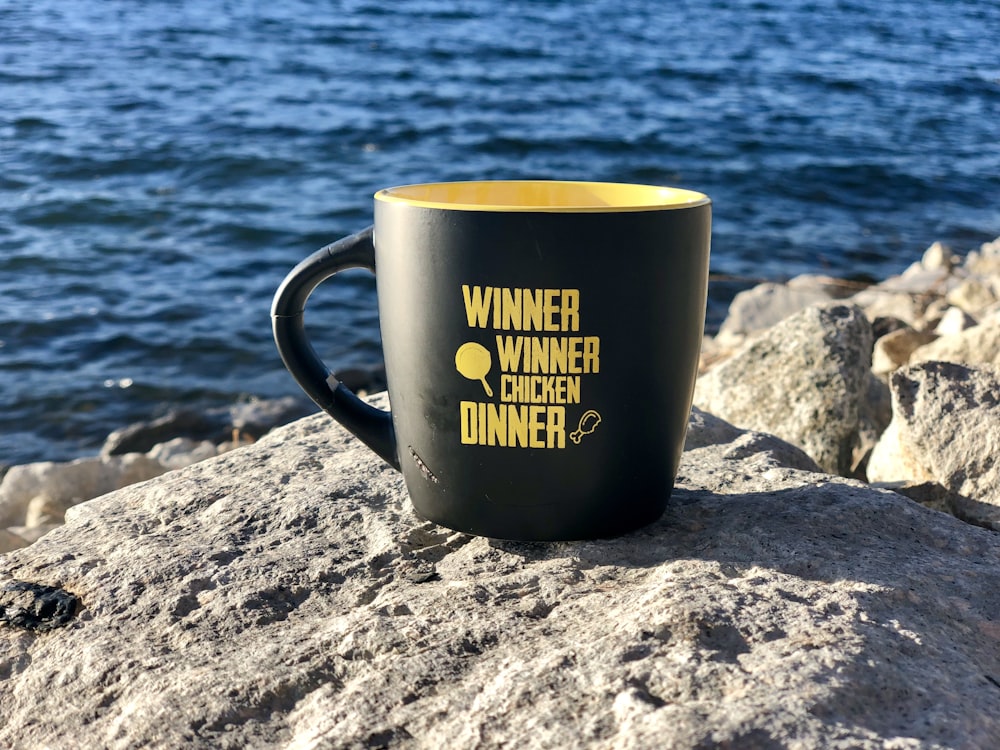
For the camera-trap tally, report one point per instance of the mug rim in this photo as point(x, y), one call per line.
point(544, 196)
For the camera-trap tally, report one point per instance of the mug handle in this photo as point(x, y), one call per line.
point(371, 425)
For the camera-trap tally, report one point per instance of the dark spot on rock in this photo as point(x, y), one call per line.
point(725, 640)
point(34, 606)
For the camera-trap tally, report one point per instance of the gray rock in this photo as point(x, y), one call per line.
point(705, 430)
point(140, 437)
point(945, 429)
point(258, 416)
point(932, 495)
point(803, 380)
point(285, 595)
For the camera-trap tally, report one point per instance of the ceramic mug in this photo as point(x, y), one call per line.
point(541, 343)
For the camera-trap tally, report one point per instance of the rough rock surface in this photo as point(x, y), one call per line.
point(284, 595)
point(945, 429)
point(804, 380)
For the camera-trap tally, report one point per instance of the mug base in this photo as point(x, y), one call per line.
point(550, 526)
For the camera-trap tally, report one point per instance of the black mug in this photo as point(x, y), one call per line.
point(541, 343)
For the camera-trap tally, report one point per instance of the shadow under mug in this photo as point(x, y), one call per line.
point(541, 343)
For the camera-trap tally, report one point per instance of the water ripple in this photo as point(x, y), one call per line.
point(164, 164)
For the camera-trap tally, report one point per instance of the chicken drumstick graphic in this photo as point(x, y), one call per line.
point(588, 423)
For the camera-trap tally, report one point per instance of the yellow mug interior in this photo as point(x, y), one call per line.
point(542, 196)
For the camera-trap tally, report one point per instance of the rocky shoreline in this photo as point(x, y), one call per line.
point(286, 595)
point(873, 383)
point(897, 384)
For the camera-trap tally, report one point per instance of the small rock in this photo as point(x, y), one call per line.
point(933, 495)
point(142, 436)
point(363, 380)
point(883, 325)
point(938, 256)
point(986, 260)
point(42, 509)
point(974, 294)
point(933, 314)
point(181, 452)
point(705, 430)
point(990, 249)
point(878, 302)
point(893, 350)
point(982, 264)
point(32, 534)
point(979, 345)
point(929, 494)
point(955, 320)
point(259, 416)
point(919, 280)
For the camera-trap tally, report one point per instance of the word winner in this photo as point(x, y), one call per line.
point(539, 374)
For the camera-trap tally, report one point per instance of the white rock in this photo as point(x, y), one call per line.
point(955, 320)
point(181, 452)
point(990, 249)
point(938, 255)
point(918, 279)
point(882, 303)
point(945, 429)
point(42, 509)
point(979, 345)
point(70, 483)
point(975, 294)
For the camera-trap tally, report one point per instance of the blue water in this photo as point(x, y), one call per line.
point(164, 163)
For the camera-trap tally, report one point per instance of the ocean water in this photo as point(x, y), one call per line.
point(164, 164)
